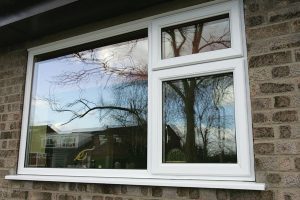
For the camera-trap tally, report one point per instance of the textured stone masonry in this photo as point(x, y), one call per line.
point(273, 43)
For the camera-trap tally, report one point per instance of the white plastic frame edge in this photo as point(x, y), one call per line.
point(142, 175)
point(236, 49)
point(243, 169)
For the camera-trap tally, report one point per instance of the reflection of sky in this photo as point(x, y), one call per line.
point(97, 88)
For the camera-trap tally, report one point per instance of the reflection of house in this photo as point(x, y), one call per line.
point(119, 147)
point(37, 156)
point(49, 148)
point(68, 140)
point(124, 147)
point(172, 138)
point(60, 148)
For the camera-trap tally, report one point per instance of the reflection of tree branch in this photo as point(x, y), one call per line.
point(118, 62)
point(181, 38)
point(87, 108)
point(76, 115)
point(197, 38)
point(176, 89)
point(176, 50)
point(223, 42)
point(181, 31)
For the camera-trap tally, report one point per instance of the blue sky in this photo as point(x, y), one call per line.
point(97, 89)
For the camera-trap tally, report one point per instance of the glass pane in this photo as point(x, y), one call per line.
point(196, 37)
point(198, 120)
point(89, 109)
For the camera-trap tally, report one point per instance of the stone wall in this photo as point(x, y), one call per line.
point(273, 41)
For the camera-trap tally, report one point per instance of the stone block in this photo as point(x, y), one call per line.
point(252, 6)
point(97, 197)
point(263, 132)
point(182, 192)
point(254, 21)
point(251, 195)
point(282, 71)
point(222, 195)
point(268, 31)
point(111, 189)
point(297, 55)
point(285, 131)
point(66, 197)
point(259, 118)
point(297, 163)
point(34, 195)
point(19, 194)
point(285, 164)
point(157, 191)
point(194, 193)
point(284, 14)
point(281, 101)
point(169, 192)
point(288, 194)
point(291, 180)
point(51, 186)
point(273, 178)
point(295, 26)
point(264, 148)
point(270, 59)
point(285, 116)
point(286, 147)
point(260, 103)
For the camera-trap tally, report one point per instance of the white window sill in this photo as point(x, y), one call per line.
point(145, 181)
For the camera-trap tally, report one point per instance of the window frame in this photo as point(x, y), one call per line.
point(150, 175)
point(71, 42)
point(235, 24)
point(242, 170)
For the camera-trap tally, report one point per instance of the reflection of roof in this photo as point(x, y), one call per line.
point(116, 129)
point(51, 129)
point(48, 128)
point(176, 130)
point(101, 129)
point(55, 128)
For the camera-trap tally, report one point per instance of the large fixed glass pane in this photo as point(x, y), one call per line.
point(195, 37)
point(198, 120)
point(89, 109)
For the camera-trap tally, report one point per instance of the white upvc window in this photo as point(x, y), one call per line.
point(158, 101)
point(221, 26)
point(221, 125)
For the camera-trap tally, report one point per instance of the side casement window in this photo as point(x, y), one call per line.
point(199, 96)
point(163, 101)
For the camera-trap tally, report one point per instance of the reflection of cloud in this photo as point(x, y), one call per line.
point(213, 137)
point(39, 103)
point(228, 98)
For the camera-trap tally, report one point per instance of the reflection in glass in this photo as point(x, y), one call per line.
point(89, 109)
point(196, 37)
point(198, 120)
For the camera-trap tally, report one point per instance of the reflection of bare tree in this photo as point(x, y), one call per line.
point(192, 39)
point(81, 107)
point(130, 100)
point(191, 92)
point(135, 93)
point(211, 114)
point(108, 65)
point(121, 82)
point(125, 71)
point(210, 118)
point(196, 48)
